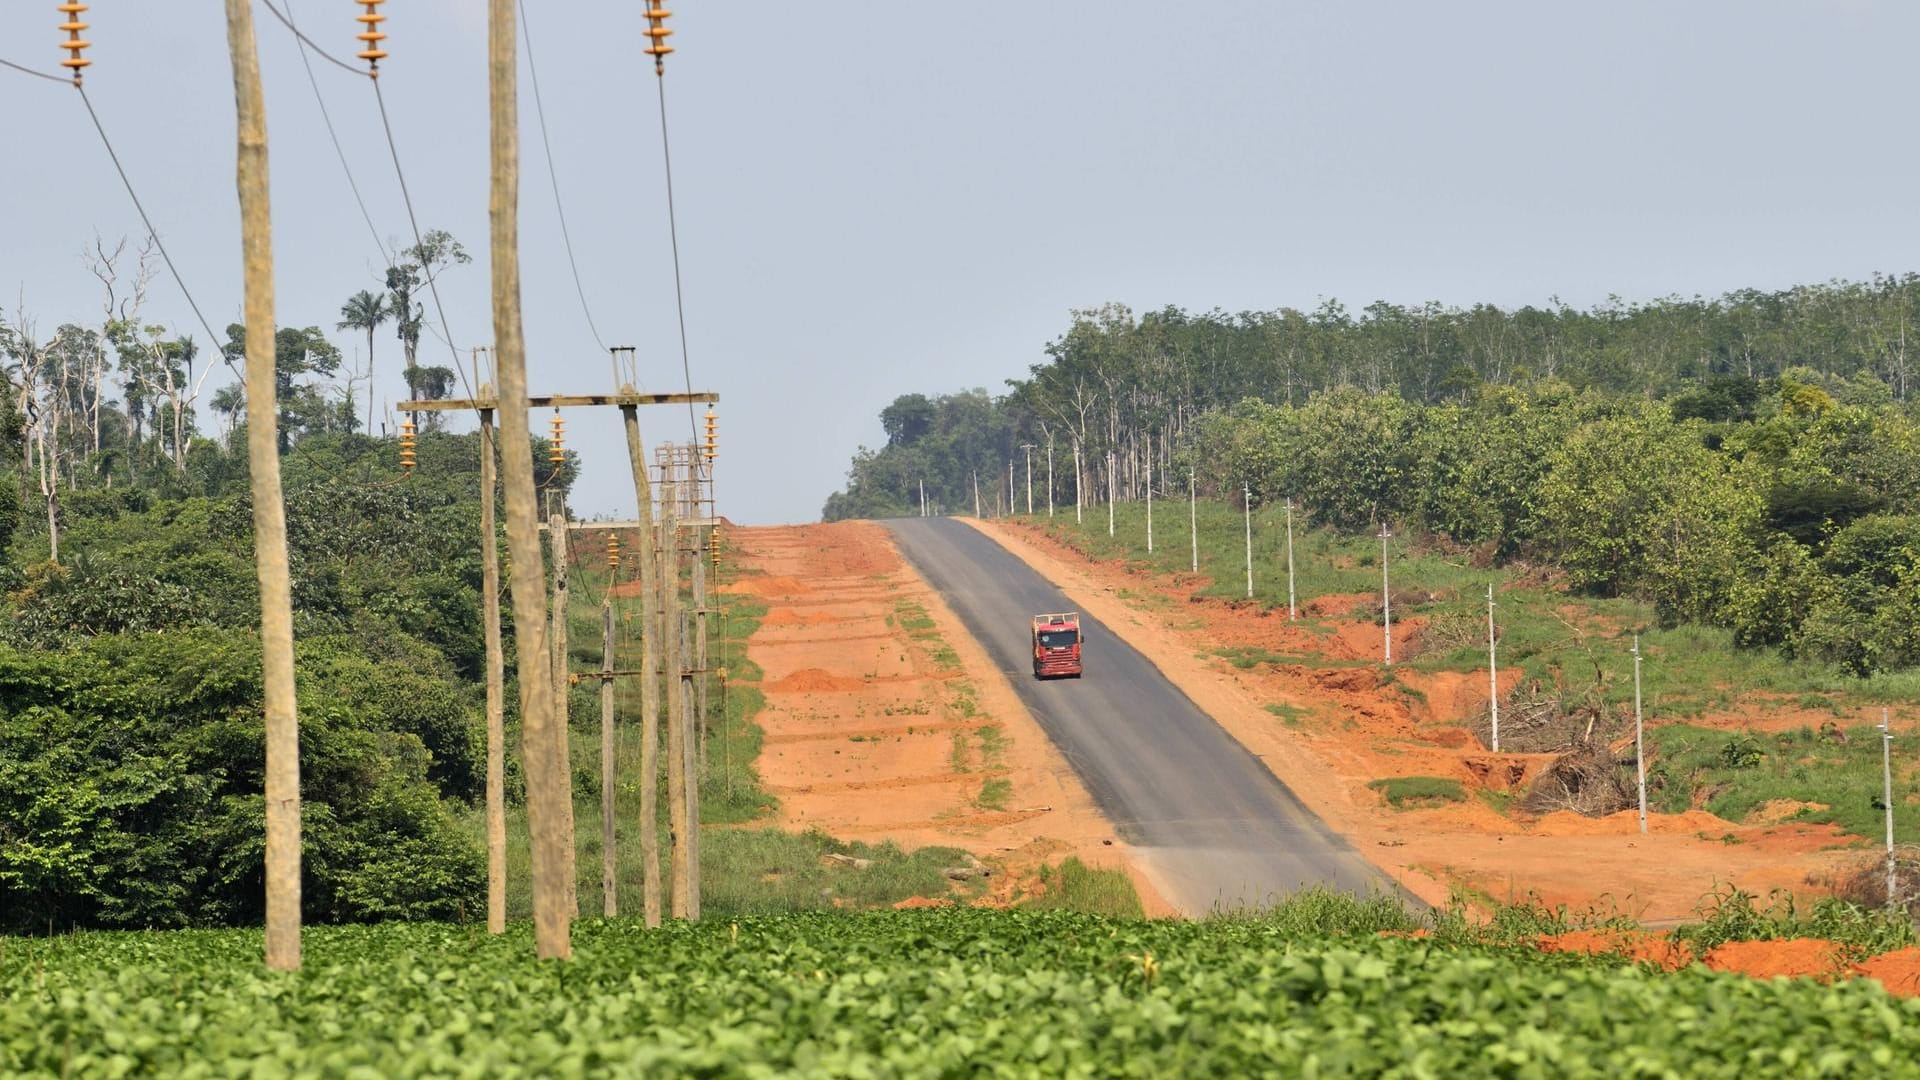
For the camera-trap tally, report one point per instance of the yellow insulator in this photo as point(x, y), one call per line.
point(75, 44)
point(557, 452)
point(712, 447)
point(370, 36)
point(613, 553)
point(713, 546)
point(407, 443)
point(657, 34)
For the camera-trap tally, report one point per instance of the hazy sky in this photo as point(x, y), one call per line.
point(883, 196)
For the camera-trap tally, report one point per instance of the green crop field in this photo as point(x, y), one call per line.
point(943, 993)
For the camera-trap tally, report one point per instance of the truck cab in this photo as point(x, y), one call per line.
point(1056, 645)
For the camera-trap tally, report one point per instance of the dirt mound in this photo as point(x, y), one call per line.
point(1337, 603)
point(1796, 957)
point(1625, 822)
point(916, 903)
point(1775, 811)
point(813, 680)
point(1638, 945)
point(1898, 971)
point(1589, 781)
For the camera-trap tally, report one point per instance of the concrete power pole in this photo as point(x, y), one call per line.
point(1292, 612)
point(1493, 673)
point(923, 498)
point(677, 824)
point(1246, 497)
point(1386, 598)
point(547, 784)
point(650, 550)
point(1886, 780)
point(609, 856)
point(1193, 519)
point(269, 506)
point(976, 493)
point(1639, 737)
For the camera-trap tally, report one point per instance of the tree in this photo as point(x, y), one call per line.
point(366, 311)
point(420, 266)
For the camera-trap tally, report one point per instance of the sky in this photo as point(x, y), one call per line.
point(880, 197)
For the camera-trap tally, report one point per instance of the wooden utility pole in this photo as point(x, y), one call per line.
point(677, 824)
point(697, 552)
point(609, 853)
point(1639, 737)
point(496, 687)
point(1386, 601)
point(1292, 611)
point(558, 536)
point(269, 507)
point(649, 664)
point(547, 786)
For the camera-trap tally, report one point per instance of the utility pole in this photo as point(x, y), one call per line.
point(692, 744)
point(609, 858)
point(1493, 673)
point(1292, 612)
point(650, 544)
point(557, 534)
point(1386, 597)
point(1010, 510)
point(496, 685)
point(1639, 737)
point(547, 786)
point(976, 493)
point(677, 824)
point(1886, 779)
point(1193, 518)
point(282, 855)
point(1149, 499)
point(923, 498)
point(1028, 447)
point(1246, 497)
point(1049, 474)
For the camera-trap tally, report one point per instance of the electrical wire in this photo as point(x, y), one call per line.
point(309, 42)
point(553, 178)
point(307, 45)
point(673, 233)
point(433, 285)
point(212, 337)
point(30, 71)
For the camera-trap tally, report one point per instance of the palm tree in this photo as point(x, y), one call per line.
point(366, 311)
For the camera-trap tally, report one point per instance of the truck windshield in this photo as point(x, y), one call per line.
point(1058, 639)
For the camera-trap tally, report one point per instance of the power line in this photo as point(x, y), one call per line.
point(433, 285)
point(306, 45)
point(30, 71)
point(309, 42)
point(553, 178)
point(212, 337)
point(673, 233)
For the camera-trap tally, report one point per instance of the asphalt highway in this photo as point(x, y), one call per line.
point(1213, 827)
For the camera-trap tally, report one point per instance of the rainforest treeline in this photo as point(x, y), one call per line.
point(1750, 461)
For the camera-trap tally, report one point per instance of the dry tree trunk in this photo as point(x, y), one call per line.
point(496, 689)
point(546, 777)
point(649, 664)
point(269, 511)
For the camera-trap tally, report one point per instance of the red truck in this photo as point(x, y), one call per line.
point(1056, 645)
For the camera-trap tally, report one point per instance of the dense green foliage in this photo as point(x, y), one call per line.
point(131, 729)
point(959, 993)
point(1748, 463)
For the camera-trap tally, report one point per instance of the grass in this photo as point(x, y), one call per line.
point(1075, 886)
point(994, 794)
point(1578, 646)
point(1290, 715)
point(1733, 774)
point(1410, 792)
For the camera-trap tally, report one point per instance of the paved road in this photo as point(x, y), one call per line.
point(1214, 828)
